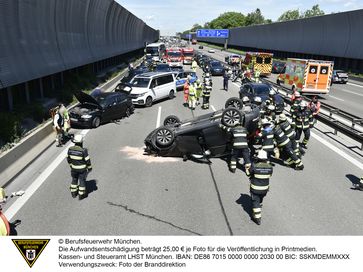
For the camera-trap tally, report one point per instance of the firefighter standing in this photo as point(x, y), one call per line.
point(225, 80)
point(239, 147)
point(198, 87)
point(206, 95)
point(289, 132)
point(295, 100)
point(80, 163)
point(192, 96)
point(260, 174)
point(186, 91)
point(303, 121)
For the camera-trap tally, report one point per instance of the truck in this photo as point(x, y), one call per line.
point(188, 55)
point(174, 57)
point(307, 75)
point(259, 61)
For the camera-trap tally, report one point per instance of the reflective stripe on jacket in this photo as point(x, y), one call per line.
point(78, 159)
point(261, 173)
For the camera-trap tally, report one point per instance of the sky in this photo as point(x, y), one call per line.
point(171, 16)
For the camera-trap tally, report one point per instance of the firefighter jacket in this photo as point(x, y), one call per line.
point(267, 136)
point(287, 129)
point(239, 136)
point(206, 92)
point(261, 173)
point(78, 159)
point(280, 137)
point(303, 119)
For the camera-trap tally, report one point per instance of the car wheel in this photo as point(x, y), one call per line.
point(149, 101)
point(164, 137)
point(231, 117)
point(171, 120)
point(234, 102)
point(96, 122)
point(128, 112)
point(171, 94)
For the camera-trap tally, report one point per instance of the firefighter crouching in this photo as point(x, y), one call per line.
point(267, 138)
point(260, 174)
point(239, 147)
point(80, 163)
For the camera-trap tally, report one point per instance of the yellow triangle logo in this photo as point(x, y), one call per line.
point(30, 249)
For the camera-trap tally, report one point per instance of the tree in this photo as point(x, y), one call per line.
point(289, 15)
point(254, 18)
point(195, 27)
point(228, 20)
point(314, 11)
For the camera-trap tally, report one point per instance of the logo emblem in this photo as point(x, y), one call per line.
point(30, 249)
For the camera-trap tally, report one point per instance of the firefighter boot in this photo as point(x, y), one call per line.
point(74, 194)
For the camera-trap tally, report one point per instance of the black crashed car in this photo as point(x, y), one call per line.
point(216, 68)
point(101, 107)
point(193, 137)
point(252, 90)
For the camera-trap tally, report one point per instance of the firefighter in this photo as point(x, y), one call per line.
point(314, 107)
point(257, 101)
point(257, 74)
point(206, 95)
point(295, 102)
point(239, 147)
point(285, 146)
point(192, 96)
point(194, 65)
point(225, 80)
point(198, 87)
point(247, 106)
point(186, 91)
point(80, 163)
point(289, 132)
point(267, 138)
point(303, 121)
point(260, 174)
point(58, 124)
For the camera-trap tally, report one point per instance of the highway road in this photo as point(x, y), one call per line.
point(134, 194)
point(347, 97)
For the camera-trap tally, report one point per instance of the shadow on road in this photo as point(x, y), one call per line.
point(245, 201)
point(91, 186)
point(13, 225)
point(126, 208)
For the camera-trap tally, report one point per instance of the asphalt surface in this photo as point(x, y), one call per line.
point(347, 97)
point(134, 194)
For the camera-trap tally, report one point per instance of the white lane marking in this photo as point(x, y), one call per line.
point(338, 151)
point(213, 108)
point(332, 96)
point(235, 84)
point(158, 118)
point(345, 90)
point(360, 86)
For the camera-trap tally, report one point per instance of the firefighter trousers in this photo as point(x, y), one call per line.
point(288, 153)
point(78, 184)
point(299, 132)
point(257, 200)
point(239, 153)
point(205, 102)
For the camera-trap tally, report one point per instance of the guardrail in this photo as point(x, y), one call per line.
point(341, 121)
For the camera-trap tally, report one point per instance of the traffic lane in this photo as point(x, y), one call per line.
point(133, 197)
point(299, 202)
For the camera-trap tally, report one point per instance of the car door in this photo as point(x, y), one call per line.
point(312, 76)
point(110, 112)
point(181, 79)
point(121, 107)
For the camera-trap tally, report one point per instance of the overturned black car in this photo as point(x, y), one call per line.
point(195, 136)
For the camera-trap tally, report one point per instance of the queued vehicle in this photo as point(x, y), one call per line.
point(194, 41)
point(101, 107)
point(339, 76)
point(201, 47)
point(233, 59)
point(192, 138)
point(188, 55)
point(181, 78)
point(174, 57)
point(278, 67)
point(152, 86)
point(252, 90)
point(211, 50)
point(216, 68)
point(156, 51)
point(162, 67)
point(259, 61)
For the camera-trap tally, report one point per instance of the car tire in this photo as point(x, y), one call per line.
point(149, 101)
point(234, 102)
point(171, 120)
point(164, 137)
point(128, 112)
point(231, 117)
point(96, 122)
point(171, 94)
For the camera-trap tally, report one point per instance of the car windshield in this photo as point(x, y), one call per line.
point(152, 50)
point(140, 82)
point(174, 54)
point(216, 64)
point(188, 54)
point(262, 90)
point(101, 100)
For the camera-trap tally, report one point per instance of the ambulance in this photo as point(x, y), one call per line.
point(307, 76)
point(259, 61)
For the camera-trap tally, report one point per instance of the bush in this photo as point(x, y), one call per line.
point(10, 127)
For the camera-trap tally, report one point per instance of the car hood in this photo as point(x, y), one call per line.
point(138, 90)
point(84, 98)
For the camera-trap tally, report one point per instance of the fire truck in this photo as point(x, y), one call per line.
point(259, 61)
point(188, 55)
point(307, 76)
point(174, 57)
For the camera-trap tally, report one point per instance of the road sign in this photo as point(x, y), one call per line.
point(213, 33)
